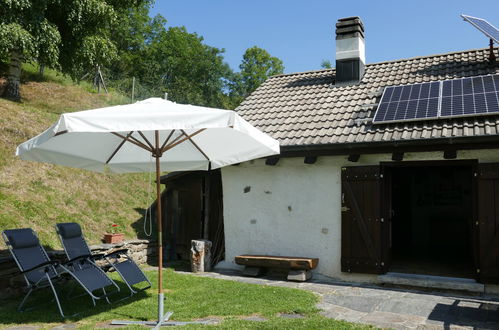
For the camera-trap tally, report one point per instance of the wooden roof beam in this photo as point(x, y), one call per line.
point(353, 158)
point(271, 161)
point(310, 159)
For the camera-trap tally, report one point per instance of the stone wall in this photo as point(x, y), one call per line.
point(294, 209)
point(11, 283)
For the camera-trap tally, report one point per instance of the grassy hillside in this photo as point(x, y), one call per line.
point(39, 195)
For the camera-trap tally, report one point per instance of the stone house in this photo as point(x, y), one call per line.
point(415, 195)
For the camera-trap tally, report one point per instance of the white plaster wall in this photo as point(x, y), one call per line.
point(293, 208)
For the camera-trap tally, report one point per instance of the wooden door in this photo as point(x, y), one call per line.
point(362, 227)
point(216, 220)
point(487, 221)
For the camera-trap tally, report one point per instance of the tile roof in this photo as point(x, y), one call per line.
point(307, 109)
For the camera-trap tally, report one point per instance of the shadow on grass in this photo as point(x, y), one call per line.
point(45, 310)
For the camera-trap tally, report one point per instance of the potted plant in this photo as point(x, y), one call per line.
point(114, 235)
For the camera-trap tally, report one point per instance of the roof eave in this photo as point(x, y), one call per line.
point(426, 145)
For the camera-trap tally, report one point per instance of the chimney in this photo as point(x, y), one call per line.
point(350, 51)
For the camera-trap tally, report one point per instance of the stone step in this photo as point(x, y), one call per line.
point(432, 282)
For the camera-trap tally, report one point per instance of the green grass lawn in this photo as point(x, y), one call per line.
point(190, 298)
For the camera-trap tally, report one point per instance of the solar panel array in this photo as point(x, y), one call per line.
point(461, 97)
point(488, 29)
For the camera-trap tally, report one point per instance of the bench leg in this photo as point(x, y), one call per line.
point(253, 271)
point(299, 275)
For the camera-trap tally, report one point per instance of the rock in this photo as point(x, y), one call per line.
point(299, 275)
point(200, 256)
point(291, 316)
point(65, 326)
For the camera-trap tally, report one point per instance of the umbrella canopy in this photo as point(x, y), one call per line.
point(97, 139)
point(125, 138)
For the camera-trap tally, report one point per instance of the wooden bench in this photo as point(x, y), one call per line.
point(297, 268)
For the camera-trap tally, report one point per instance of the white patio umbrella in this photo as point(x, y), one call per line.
point(124, 138)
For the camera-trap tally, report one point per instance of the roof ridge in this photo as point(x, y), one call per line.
point(430, 56)
point(301, 72)
point(384, 62)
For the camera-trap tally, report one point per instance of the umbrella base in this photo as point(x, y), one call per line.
point(155, 324)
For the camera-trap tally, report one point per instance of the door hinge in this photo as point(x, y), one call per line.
point(345, 209)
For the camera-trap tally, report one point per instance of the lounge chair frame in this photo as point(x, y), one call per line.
point(87, 254)
point(58, 270)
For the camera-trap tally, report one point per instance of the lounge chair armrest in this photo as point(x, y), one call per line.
point(120, 251)
point(42, 265)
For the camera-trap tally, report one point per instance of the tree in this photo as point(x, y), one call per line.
point(191, 71)
point(256, 67)
point(170, 60)
point(69, 35)
point(326, 64)
point(133, 38)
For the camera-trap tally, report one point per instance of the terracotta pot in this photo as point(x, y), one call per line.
point(113, 238)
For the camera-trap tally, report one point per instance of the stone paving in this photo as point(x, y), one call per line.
point(390, 307)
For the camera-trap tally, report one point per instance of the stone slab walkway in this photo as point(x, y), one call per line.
point(389, 307)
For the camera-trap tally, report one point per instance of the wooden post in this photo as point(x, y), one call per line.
point(102, 79)
point(200, 256)
point(133, 88)
point(159, 218)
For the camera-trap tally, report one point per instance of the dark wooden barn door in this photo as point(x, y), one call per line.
point(193, 205)
point(363, 237)
point(487, 212)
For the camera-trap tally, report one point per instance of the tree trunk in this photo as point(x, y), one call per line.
point(41, 70)
point(12, 90)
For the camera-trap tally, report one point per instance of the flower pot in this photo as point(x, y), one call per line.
point(113, 238)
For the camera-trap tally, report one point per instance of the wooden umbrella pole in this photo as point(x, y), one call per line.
point(159, 219)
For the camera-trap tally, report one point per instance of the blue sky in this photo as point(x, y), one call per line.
point(301, 33)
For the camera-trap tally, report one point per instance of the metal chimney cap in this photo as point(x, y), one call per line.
point(350, 21)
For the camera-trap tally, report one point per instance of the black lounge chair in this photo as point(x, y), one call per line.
point(40, 272)
point(75, 246)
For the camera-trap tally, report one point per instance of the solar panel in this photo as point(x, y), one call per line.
point(488, 29)
point(463, 97)
point(409, 102)
point(470, 96)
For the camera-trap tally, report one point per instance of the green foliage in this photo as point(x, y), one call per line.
point(76, 36)
point(256, 67)
point(326, 64)
point(166, 60)
point(71, 35)
point(179, 63)
point(14, 37)
point(48, 40)
point(190, 71)
point(86, 42)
